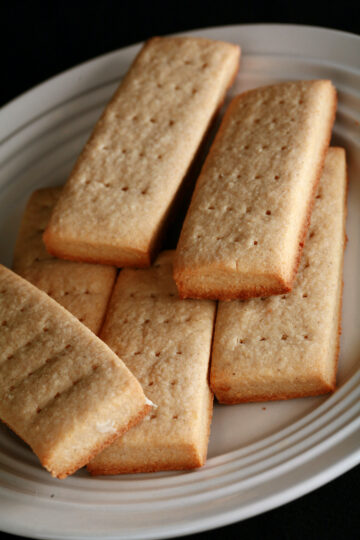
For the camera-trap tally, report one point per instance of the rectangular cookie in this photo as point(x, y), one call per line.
point(165, 342)
point(63, 391)
point(118, 195)
point(287, 346)
point(250, 211)
point(82, 288)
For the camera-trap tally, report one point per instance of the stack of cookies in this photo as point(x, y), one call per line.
point(111, 369)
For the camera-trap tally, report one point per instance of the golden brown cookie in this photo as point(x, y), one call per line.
point(63, 391)
point(246, 225)
point(287, 346)
point(117, 198)
point(82, 288)
point(165, 342)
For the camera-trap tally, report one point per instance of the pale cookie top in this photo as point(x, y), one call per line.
point(58, 381)
point(142, 146)
point(251, 200)
point(292, 337)
point(82, 288)
point(165, 342)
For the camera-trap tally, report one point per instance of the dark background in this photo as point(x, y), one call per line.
point(42, 38)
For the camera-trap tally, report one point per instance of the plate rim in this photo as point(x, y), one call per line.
point(7, 108)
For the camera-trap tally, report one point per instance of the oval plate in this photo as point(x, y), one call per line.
point(260, 455)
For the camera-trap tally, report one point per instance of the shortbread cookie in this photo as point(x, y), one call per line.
point(166, 343)
point(117, 198)
point(84, 289)
point(62, 389)
point(249, 215)
point(287, 346)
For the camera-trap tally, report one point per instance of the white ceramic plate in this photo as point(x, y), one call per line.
point(261, 455)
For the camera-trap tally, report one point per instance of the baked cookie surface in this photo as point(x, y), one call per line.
point(246, 225)
point(63, 391)
point(165, 342)
point(115, 203)
point(287, 346)
point(83, 289)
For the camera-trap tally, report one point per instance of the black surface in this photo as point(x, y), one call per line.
point(41, 39)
